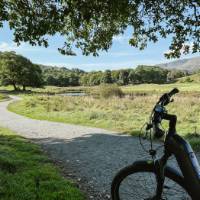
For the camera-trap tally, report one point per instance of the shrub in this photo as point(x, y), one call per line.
point(188, 80)
point(107, 91)
point(96, 115)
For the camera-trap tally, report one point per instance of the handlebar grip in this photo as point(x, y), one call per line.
point(173, 92)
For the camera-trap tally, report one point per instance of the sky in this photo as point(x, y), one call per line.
point(121, 55)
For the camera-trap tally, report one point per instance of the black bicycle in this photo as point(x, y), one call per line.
point(153, 179)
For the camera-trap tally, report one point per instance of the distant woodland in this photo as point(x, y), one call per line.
point(17, 70)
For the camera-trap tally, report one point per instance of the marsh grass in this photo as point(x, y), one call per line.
point(125, 114)
point(109, 90)
point(26, 173)
point(121, 114)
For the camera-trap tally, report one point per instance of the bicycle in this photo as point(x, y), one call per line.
point(153, 179)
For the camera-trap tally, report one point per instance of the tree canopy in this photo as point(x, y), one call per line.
point(90, 25)
point(62, 76)
point(18, 70)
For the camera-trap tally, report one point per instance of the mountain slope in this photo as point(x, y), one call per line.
point(194, 78)
point(190, 64)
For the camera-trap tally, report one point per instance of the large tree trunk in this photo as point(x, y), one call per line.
point(15, 87)
point(24, 88)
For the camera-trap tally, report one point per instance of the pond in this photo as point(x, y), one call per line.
point(74, 94)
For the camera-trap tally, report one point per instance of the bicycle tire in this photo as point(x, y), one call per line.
point(142, 167)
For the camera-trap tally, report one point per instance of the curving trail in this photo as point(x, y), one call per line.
point(92, 156)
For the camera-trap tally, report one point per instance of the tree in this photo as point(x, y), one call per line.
point(31, 75)
point(132, 77)
point(106, 77)
point(150, 74)
point(9, 68)
point(73, 79)
point(51, 80)
point(62, 76)
point(115, 75)
point(124, 77)
point(18, 70)
point(95, 78)
point(174, 74)
point(90, 24)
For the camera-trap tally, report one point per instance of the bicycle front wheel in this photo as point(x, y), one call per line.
point(138, 182)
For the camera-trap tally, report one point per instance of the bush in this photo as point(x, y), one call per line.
point(188, 80)
point(107, 91)
point(96, 115)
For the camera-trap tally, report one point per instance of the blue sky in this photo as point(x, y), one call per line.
point(121, 55)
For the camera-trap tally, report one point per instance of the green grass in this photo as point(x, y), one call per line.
point(125, 115)
point(7, 88)
point(155, 88)
point(183, 85)
point(27, 174)
point(194, 78)
point(104, 113)
point(46, 90)
point(3, 97)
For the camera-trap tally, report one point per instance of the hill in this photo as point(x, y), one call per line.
point(190, 64)
point(194, 78)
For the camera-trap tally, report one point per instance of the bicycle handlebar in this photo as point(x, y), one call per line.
point(165, 98)
point(160, 113)
point(173, 92)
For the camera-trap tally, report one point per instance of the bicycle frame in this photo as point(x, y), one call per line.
point(187, 161)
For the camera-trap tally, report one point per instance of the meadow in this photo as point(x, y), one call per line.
point(26, 173)
point(161, 88)
point(122, 114)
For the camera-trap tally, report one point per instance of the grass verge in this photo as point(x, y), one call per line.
point(3, 97)
point(120, 114)
point(27, 174)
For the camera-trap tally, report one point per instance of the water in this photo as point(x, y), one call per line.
point(74, 94)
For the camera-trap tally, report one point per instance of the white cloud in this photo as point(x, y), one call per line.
point(119, 54)
point(93, 66)
point(122, 54)
point(104, 65)
point(120, 38)
point(4, 46)
point(23, 47)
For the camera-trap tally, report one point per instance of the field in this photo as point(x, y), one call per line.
point(155, 88)
point(126, 115)
point(26, 173)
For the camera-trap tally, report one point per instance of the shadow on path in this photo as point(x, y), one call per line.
point(94, 158)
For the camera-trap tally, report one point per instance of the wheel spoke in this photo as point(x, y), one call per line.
point(143, 185)
point(138, 182)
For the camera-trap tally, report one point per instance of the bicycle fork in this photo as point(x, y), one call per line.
point(160, 175)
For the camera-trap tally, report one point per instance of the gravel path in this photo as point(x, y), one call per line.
point(90, 155)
